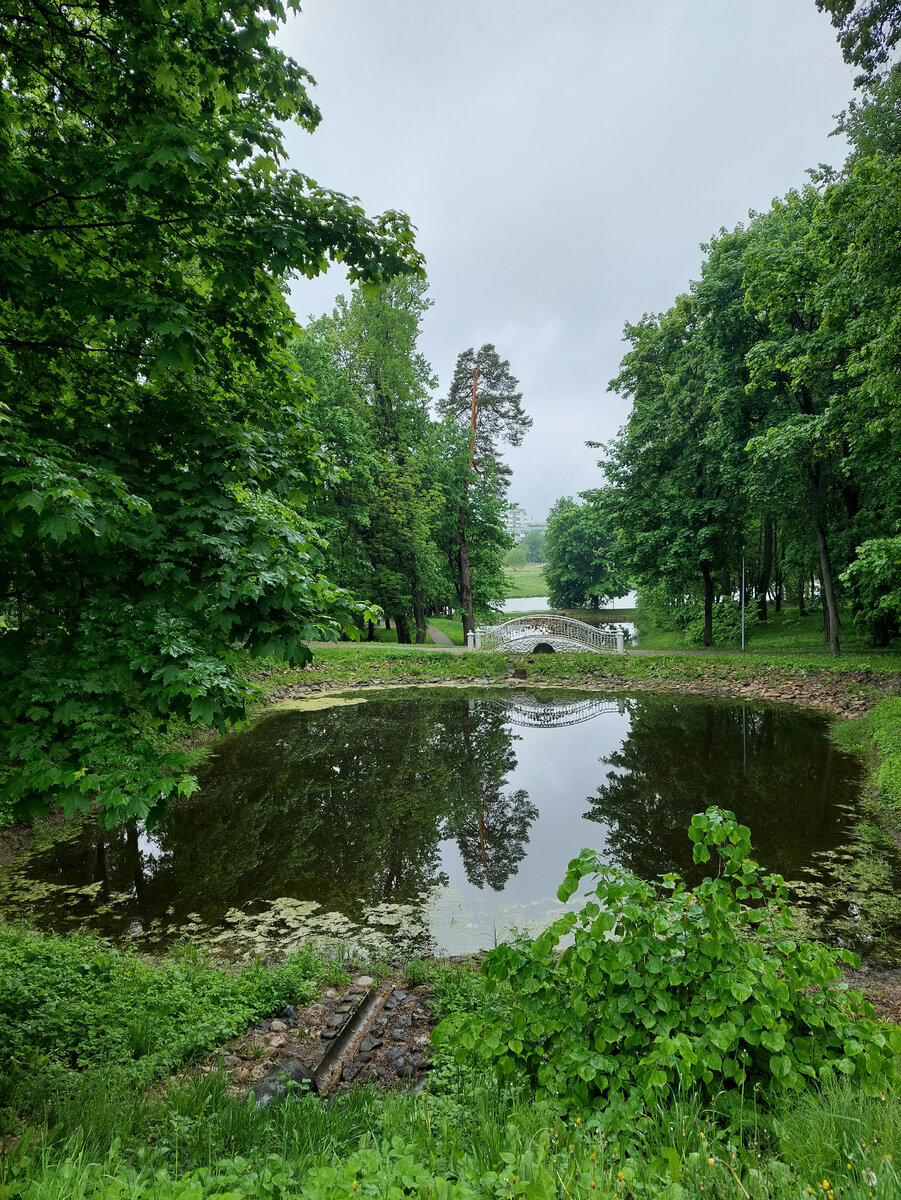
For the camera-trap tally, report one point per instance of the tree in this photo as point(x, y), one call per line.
point(677, 521)
point(156, 456)
point(483, 397)
point(533, 543)
point(387, 497)
point(869, 31)
point(581, 549)
point(800, 364)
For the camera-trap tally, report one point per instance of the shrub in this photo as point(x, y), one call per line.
point(663, 987)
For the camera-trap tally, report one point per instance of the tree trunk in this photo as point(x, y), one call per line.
point(766, 569)
point(465, 576)
point(802, 608)
point(708, 604)
point(824, 611)
point(403, 628)
point(819, 528)
point(419, 617)
point(370, 632)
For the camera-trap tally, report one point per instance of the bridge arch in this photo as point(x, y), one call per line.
point(525, 635)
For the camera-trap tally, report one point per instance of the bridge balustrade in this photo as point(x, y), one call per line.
point(525, 634)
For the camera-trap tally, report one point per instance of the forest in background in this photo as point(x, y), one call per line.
point(765, 428)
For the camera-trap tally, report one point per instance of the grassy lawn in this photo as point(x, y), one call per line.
point(781, 633)
point(451, 626)
point(526, 581)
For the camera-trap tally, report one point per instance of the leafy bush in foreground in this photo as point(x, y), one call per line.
point(665, 987)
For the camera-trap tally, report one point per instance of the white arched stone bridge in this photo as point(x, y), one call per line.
point(547, 634)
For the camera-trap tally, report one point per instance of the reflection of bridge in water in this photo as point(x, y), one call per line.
point(547, 634)
point(531, 713)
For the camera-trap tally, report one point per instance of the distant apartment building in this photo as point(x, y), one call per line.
point(518, 523)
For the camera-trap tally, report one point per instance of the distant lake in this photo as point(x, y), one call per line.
point(521, 604)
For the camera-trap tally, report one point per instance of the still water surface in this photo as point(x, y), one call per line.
point(437, 819)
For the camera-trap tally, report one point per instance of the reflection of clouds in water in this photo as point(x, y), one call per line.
point(460, 923)
point(149, 846)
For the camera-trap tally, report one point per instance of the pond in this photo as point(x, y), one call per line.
point(437, 819)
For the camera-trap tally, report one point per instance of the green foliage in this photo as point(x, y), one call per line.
point(155, 452)
point(883, 727)
point(78, 1003)
point(874, 579)
point(533, 543)
point(726, 625)
point(583, 567)
point(98, 1136)
point(869, 31)
point(665, 988)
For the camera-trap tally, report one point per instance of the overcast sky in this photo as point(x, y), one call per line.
point(562, 161)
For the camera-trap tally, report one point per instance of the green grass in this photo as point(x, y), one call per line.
point(81, 1006)
point(388, 637)
point(526, 581)
point(452, 626)
point(784, 632)
point(96, 1135)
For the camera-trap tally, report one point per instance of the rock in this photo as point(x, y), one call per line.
point(289, 1013)
point(278, 1026)
point(364, 981)
point(243, 1075)
point(397, 1053)
point(370, 1043)
point(231, 1060)
point(351, 1071)
point(336, 1021)
point(278, 1041)
point(284, 1077)
point(328, 1034)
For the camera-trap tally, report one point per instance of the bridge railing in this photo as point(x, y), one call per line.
point(523, 633)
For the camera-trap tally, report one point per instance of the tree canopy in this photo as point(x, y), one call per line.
point(485, 401)
point(157, 452)
point(764, 426)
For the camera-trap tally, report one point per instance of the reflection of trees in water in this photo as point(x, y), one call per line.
point(346, 806)
point(490, 826)
point(775, 771)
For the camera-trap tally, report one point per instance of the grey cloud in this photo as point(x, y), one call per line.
point(562, 162)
